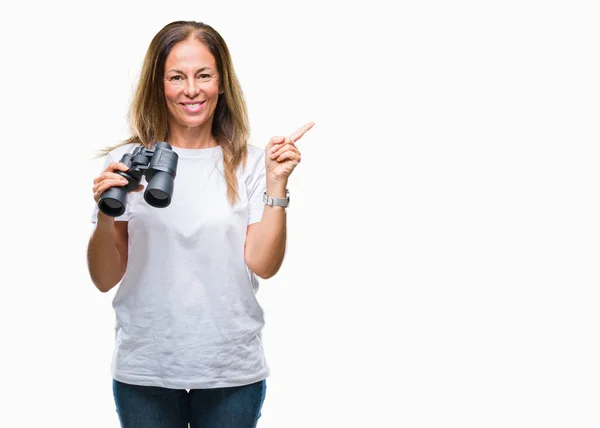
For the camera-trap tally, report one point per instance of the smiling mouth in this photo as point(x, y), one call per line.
point(193, 107)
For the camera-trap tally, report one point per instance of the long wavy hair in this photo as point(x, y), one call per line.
point(148, 110)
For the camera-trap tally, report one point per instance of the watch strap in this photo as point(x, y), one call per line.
point(278, 202)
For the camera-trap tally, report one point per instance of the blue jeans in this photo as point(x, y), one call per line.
point(156, 407)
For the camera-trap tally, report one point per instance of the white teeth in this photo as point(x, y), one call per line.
point(192, 105)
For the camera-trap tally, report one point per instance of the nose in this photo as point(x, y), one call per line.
point(192, 88)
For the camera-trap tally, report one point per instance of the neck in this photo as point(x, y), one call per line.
point(198, 137)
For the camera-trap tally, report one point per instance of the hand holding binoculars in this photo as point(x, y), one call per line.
point(158, 165)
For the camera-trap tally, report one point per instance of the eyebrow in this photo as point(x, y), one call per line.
point(198, 71)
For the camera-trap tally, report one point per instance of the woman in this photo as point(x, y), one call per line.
point(188, 326)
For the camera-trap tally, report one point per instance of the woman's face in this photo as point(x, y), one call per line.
point(191, 85)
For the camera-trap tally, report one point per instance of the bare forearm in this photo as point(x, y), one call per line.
point(267, 247)
point(104, 259)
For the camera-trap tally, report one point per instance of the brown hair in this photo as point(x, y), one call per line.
point(148, 111)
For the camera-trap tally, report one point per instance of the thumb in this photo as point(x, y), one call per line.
point(273, 141)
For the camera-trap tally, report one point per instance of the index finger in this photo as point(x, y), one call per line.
point(113, 166)
point(301, 131)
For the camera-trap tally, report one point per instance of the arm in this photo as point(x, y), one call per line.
point(107, 252)
point(108, 247)
point(265, 240)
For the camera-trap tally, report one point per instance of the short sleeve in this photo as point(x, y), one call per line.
point(256, 184)
point(110, 157)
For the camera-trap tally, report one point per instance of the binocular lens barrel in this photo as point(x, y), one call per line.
point(159, 190)
point(112, 202)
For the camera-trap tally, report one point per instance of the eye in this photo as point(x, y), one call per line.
point(175, 79)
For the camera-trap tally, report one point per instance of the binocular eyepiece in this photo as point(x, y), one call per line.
point(158, 165)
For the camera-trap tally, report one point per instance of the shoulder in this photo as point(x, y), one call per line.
point(256, 157)
point(255, 162)
point(255, 153)
point(117, 153)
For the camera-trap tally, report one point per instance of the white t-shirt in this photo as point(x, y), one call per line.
point(186, 311)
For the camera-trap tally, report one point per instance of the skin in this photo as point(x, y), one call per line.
point(189, 127)
point(187, 63)
point(266, 240)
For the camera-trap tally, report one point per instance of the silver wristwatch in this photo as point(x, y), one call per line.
point(278, 202)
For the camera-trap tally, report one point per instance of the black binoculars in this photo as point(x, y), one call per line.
point(158, 165)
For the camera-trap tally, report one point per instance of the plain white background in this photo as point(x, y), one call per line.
point(442, 264)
